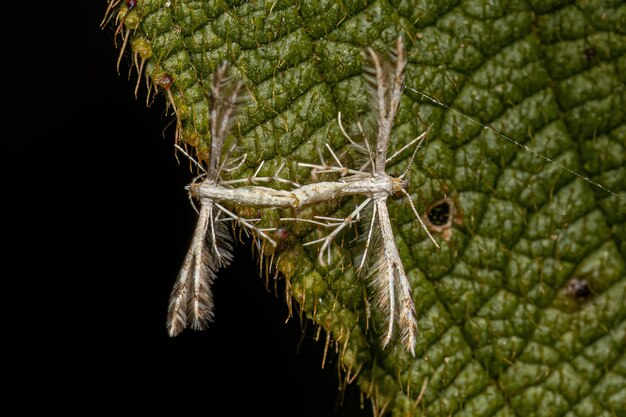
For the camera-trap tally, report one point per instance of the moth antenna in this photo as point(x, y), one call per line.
point(408, 167)
point(191, 190)
point(193, 203)
point(419, 218)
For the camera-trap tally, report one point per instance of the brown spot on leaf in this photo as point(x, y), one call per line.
point(441, 215)
point(164, 80)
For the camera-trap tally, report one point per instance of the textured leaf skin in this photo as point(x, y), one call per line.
point(502, 332)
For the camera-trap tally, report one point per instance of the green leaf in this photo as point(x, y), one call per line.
point(522, 311)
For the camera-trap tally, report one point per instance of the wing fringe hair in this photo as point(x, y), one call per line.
point(191, 301)
point(387, 278)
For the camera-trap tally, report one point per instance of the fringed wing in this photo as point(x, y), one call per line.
point(225, 99)
point(191, 300)
point(386, 276)
point(385, 76)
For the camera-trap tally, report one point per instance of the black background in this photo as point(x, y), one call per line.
point(97, 226)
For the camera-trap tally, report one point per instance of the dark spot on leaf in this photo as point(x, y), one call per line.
point(439, 214)
point(590, 53)
point(578, 288)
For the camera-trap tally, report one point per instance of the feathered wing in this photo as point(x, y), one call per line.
point(385, 76)
point(225, 99)
point(386, 275)
point(191, 300)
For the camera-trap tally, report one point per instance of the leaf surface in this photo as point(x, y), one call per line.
point(522, 311)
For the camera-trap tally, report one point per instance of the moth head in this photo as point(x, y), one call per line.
point(194, 188)
point(398, 185)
